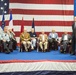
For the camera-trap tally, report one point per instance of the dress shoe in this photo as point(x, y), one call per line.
point(61, 51)
point(11, 50)
point(32, 48)
point(72, 53)
point(7, 52)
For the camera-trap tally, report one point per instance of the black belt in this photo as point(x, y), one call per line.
point(65, 40)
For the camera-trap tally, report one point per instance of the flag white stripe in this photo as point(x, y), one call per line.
point(45, 28)
point(41, 17)
point(41, 6)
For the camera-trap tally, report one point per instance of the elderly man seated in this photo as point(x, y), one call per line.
point(43, 38)
point(13, 39)
point(52, 39)
point(65, 41)
point(33, 36)
point(7, 43)
point(25, 40)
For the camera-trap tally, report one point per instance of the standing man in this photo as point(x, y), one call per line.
point(1, 48)
point(74, 37)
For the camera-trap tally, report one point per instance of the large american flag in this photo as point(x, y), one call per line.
point(47, 14)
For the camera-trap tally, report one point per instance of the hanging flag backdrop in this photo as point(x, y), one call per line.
point(11, 20)
point(48, 15)
point(22, 25)
point(3, 21)
point(33, 25)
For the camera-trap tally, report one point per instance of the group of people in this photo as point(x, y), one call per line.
point(43, 42)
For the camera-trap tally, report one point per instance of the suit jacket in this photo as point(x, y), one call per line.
point(33, 34)
point(41, 37)
point(24, 36)
point(69, 37)
point(51, 35)
point(73, 30)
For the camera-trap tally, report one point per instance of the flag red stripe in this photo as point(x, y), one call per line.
point(59, 33)
point(45, 23)
point(42, 12)
point(41, 23)
point(43, 1)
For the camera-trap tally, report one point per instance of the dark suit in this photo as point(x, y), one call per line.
point(73, 38)
point(65, 41)
point(68, 36)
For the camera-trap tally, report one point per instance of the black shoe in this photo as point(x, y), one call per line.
point(65, 52)
point(72, 53)
point(11, 50)
point(61, 51)
point(7, 52)
point(35, 48)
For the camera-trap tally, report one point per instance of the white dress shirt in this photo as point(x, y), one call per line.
point(53, 35)
point(43, 38)
point(65, 37)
